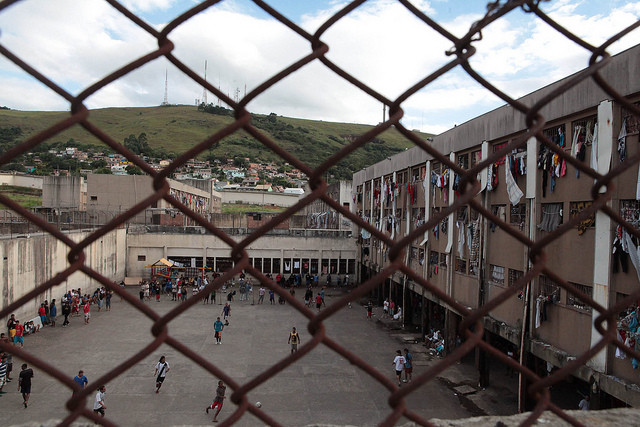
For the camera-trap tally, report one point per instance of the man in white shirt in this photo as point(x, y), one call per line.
point(99, 407)
point(399, 361)
point(162, 367)
point(584, 404)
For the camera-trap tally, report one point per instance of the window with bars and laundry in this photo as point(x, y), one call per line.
point(550, 216)
point(497, 274)
point(461, 265)
point(518, 215)
point(575, 301)
point(574, 210)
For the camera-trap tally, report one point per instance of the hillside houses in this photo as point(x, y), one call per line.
point(247, 175)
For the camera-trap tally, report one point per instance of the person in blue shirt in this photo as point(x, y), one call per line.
point(53, 313)
point(81, 380)
point(218, 326)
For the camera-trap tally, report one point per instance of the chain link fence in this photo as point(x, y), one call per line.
point(471, 327)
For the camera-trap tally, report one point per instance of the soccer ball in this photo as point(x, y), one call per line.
point(258, 405)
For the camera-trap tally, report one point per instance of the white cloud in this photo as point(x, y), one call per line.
point(380, 43)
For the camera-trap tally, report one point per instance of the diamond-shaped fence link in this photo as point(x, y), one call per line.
point(471, 326)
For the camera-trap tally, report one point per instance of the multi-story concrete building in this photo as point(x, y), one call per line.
point(473, 261)
point(321, 215)
point(118, 193)
point(64, 192)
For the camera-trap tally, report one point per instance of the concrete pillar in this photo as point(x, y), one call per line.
point(602, 239)
point(482, 362)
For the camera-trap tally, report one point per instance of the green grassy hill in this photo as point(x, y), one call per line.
point(177, 128)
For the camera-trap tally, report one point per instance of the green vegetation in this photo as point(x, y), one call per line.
point(232, 208)
point(25, 196)
point(165, 132)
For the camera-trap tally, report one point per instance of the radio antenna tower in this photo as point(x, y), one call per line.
point(204, 92)
point(166, 85)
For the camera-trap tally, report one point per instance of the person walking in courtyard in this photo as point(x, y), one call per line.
point(272, 297)
point(4, 367)
point(218, 401)
point(408, 366)
point(294, 340)
point(99, 406)
point(87, 314)
point(11, 327)
point(81, 380)
point(369, 310)
point(66, 311)
point(226, 311)
point(261, 293)
point(24, 383)
point(399, 362)
point(162, 367)
point(19, 338)
point(218, 326)
point(318, 302)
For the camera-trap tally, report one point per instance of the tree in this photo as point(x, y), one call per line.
point(134, 170)
point(103, 171)
point(98, 164)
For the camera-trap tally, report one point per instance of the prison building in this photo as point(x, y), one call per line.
point(114, 194)
point(473, 260)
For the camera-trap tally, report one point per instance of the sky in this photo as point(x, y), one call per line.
point(75, 43)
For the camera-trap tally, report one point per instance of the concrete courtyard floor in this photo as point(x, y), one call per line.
point(321, 388)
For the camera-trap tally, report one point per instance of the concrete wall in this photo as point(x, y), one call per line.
point(28, 262)
point(21, 180)
point(145, 249)
point(64, 192)
point(259, 198)
point(207, 186)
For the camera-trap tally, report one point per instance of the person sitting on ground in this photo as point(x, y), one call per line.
point(398, 315)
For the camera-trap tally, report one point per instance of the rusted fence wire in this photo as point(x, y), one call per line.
point(471, 327)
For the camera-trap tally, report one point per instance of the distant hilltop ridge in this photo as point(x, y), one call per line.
point(171, 130)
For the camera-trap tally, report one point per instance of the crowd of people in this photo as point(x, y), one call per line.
point(76, 301)
point(47, 315)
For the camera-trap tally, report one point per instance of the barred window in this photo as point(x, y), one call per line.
point(497, 147)
point(550, 216)
point(633, 124)
point(576, 302)
point(556, 134)
point(444, 260)
point(549, 288)
point(435, 167)
point(497, 274)
point(514, 276)
point(461, 265)
point(463, 161)
point(434, 257)
point(476, 157)
point(473, 268)
point(584, 128)
point(630, 211)
point(576, 207)
point(518, 214)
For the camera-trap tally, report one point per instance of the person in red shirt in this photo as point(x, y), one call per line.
point(318, 302)
point(87, 315)
point(42, 312)
point(19, 338)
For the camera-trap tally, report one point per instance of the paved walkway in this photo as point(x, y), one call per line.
point(321, 388)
